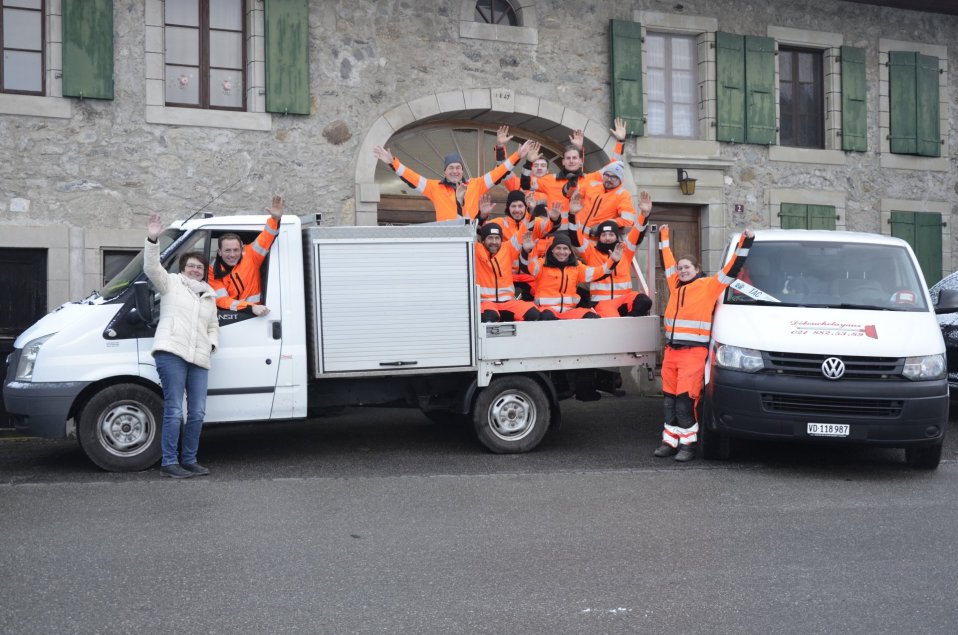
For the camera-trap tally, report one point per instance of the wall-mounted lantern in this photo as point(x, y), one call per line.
point(686, 184)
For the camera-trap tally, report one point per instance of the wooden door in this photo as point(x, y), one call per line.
point(23, 301)
point(685, 239)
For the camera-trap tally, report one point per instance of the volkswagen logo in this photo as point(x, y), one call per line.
point(833, 368)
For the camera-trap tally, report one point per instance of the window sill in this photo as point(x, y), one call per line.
point(806, 155)
point(261, 121)
point(36, 106)
point(676, 147)
point(909, 162)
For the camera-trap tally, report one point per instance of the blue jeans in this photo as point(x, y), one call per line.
point(178, 376)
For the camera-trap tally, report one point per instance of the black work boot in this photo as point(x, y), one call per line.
point(686, 453)
point(664, 450)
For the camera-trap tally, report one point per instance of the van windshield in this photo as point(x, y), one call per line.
point(132, 271)
point(832, 275)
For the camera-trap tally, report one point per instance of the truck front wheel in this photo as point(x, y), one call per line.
point(511, 415)
point(119, 428)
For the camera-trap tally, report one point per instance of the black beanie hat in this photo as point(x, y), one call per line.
point(515, 195)
point(490, 229)
point(607, 226)
point(561, 238)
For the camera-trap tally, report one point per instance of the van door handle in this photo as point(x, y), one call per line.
point(277, 330)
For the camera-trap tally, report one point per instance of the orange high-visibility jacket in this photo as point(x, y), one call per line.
point(515, 232)
point(688, 316)
point(551, 185)
point(619, 280)
point(241, 286)
point(443, 195)
point(599, 204)
point(494, 273)
point(556, 286)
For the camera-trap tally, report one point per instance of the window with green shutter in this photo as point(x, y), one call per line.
point(800, 216)
point(745, 90)
point(287, 56)
point(625, 45)
point(854, 109)
point(921, 230)
point(913, 103)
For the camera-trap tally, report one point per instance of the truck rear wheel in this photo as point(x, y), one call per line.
point(119, 428)
point(926, 458)
point(511, 415)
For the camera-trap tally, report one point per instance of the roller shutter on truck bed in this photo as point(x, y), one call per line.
point(389, 300)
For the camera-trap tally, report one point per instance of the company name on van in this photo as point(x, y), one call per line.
point(840, 329)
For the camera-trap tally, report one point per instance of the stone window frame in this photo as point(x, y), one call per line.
point(668, 35)
point(833, 198)
point(830, 45)
point(254, 118)
point(525, 10)
point(905, 161)
point(888, 205)
point(53, 103)
point(704, 29)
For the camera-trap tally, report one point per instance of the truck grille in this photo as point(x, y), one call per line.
point(832, 406)
point(804, 365)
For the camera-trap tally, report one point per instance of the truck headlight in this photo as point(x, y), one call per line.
point(29, 357)
point(737, 358)
point(924, 367)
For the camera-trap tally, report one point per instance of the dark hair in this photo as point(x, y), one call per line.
point(694, 260)
point(231, 236)
point(196, 255)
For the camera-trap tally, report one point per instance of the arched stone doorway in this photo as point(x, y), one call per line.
point(475, 112)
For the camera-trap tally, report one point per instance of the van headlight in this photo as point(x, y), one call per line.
point(747, 360)
point(924, 367)
point(29, 357)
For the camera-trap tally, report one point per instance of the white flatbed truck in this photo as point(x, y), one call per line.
point(358, 316)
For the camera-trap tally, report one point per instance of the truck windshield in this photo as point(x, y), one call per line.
point(132, 271)
point(880, 277)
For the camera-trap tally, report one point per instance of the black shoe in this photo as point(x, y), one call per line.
point(687, 453)
point(195, 469)
point(175, 471)
point(664, 450)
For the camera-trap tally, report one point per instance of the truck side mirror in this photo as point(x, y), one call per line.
point(947, 301)
point(143, 301)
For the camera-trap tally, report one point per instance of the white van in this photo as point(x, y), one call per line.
point(827, 336)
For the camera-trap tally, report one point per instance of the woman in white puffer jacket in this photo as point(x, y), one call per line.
point(185, 338)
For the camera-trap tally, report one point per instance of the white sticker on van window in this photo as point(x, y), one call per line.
point(840, 329)
point(752, 292)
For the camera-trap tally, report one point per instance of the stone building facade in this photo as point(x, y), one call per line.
point(80, 175)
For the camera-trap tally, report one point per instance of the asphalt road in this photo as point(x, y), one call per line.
point(377, 521)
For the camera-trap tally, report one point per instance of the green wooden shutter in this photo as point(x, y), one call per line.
point(88, 48)
point(926, 89)
point(793, 216)
point(760, 90)
point(625, 45)
point(821, 217)
point(921, 230)
point(287, 56)
point(903, 118)
point(854, 109)
point(730, 87)
point(797, 216)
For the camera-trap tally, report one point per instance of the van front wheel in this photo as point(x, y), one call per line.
point(926, 458)
point(119, 428)
point(511, 415)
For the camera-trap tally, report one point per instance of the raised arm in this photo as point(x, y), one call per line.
point(159, 276)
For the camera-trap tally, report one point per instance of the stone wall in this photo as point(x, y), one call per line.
point(104, 167)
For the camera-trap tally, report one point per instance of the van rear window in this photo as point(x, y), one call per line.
point(826, 274)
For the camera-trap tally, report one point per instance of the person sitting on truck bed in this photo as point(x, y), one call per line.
point(688, 326)
point(497, 294)
point(452, 197)
point(558, 274)
point(612, 295)
point(235, 272)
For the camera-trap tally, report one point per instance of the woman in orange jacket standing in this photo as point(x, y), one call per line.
point(688, 326)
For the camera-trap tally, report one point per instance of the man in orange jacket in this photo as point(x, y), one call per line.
point(606, 199)
point(452, 197)
point(235, 272)
point(497, 294)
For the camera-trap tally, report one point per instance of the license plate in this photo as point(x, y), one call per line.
point(828, 429)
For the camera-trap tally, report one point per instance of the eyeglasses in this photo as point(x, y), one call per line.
point(194, 265)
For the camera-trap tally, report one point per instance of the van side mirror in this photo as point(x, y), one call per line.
point(947, 301)
point(143, 301)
